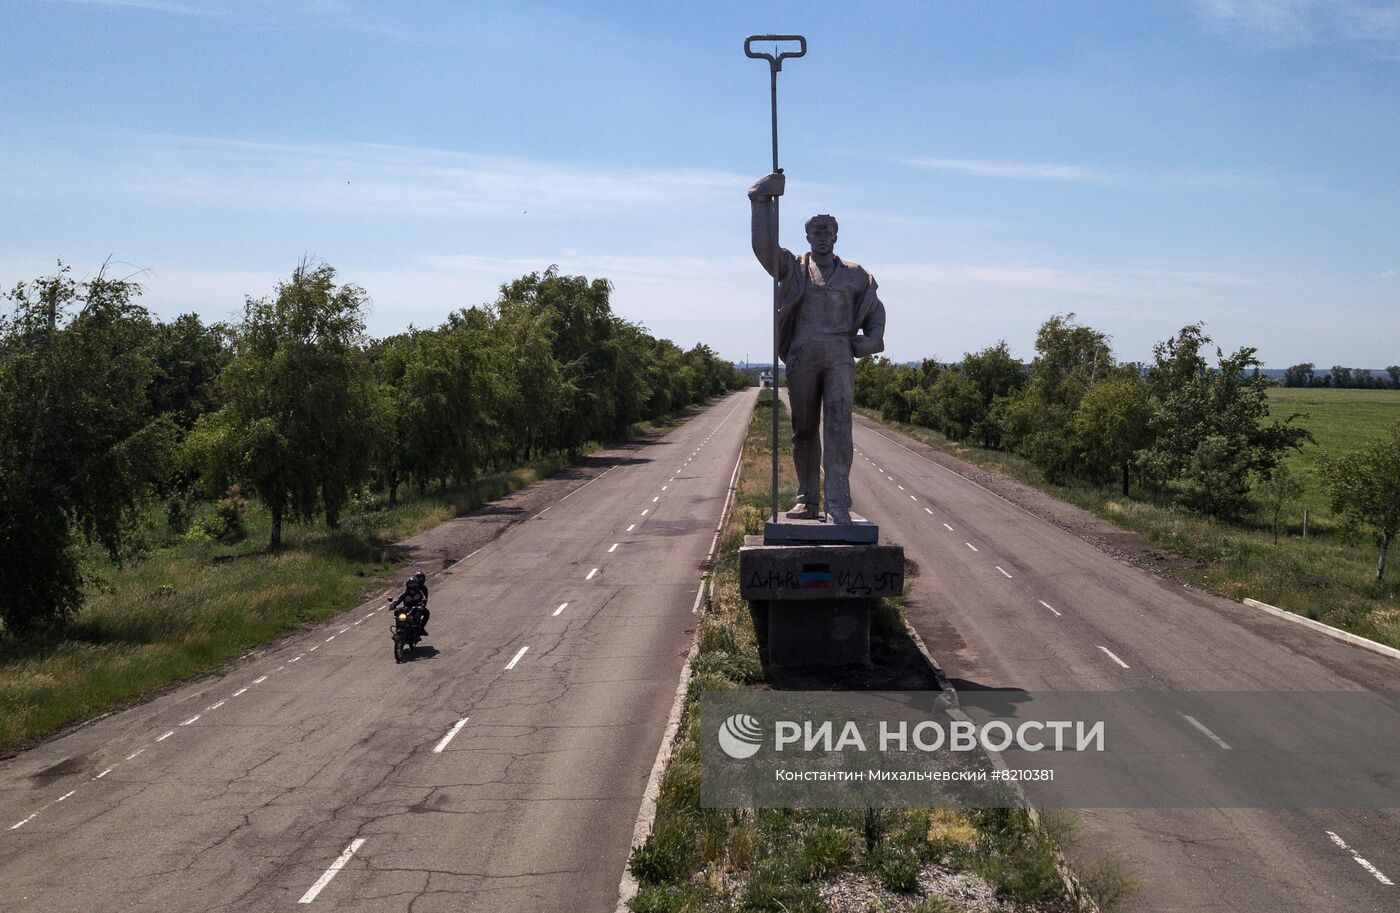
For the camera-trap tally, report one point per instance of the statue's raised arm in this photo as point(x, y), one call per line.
point(761, 195)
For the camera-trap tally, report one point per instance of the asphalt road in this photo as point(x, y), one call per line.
point(1005, 599)
point(500, 770)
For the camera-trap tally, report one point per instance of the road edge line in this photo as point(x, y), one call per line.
point(628, 885)
point(1346, 637)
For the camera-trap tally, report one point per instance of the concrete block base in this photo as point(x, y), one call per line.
point(819, 632)
point(812, 603)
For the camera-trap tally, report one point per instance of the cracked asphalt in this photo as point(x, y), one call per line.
point(238, 791)
point(1040, 609)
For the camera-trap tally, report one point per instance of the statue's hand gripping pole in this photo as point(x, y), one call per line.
point(775, 63)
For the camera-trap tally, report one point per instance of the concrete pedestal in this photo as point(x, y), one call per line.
point(815, 599)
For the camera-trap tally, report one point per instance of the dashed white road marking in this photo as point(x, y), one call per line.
point(927, 511)
point(239, 691)
point(315, 648)
point(216, 705)
point(162, 738)
point(647, 511)
point(631, 526)
point(947, 527)
point(614, 547)
point(590, 574)
point(65, 795)
point(664, 487)
point(295, 658)
point(562, 607)
point(1003, 572)
point(260, 679)
point(1111, 656)
point(331, 638)
point(330, 873)
point(971, 546)
point(900, 487)
point(19, 824)
point(1049, 606)
point(1361, 860)
point(135, 753)
point(369, 616)
point(442, 743)
point(342, 630)
point(190, 720)
point(1201, 726)
point(655, 499)
point(515, 659)
point(105, 772)
point(913, 498)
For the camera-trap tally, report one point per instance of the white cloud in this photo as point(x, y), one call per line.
point(374, 179)
point(1026, 171)
point(1296, 23)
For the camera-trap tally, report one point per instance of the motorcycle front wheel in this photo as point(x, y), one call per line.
point(399, 650)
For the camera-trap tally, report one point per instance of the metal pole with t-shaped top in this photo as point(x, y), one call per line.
point(775, 63)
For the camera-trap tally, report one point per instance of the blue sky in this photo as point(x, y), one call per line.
point(1144, 164)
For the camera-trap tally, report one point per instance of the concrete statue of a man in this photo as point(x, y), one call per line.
point(828, 316)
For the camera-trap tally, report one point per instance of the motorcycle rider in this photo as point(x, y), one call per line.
point(414, 598)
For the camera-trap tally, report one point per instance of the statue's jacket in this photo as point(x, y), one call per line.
point(867, 313)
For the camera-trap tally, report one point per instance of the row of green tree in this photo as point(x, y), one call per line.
point(1192, 427)
point(1341, 377)
point(105, 411)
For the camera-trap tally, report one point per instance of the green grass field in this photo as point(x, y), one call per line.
point(1341, 420)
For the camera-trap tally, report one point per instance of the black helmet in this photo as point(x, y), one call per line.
point(421, 577)
point(413, 584)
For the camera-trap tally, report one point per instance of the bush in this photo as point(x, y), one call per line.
point(225, 523)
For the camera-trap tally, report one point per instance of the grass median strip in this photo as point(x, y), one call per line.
point(929, 860)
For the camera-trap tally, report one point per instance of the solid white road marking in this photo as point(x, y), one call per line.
point(190, 720)
point(135, 753)
point(442, 743)
point(562, 607)
point(162, 738)
point(516, 659)
point(631, 526)
point(614, 547)
point(105, 772)
point(1109, 652)
point(1003, 572)
point(590, 574)
point(1360, 860)
point(1201, 726)
point(971, 546)
point(1049, 606)
point(947, 527)
point(336, 866)
point(927, 511)
point(260, 680)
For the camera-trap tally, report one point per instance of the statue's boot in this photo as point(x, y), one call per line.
point(801, 511)
point(838, 515)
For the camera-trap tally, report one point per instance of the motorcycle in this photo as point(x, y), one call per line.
point(407, 631)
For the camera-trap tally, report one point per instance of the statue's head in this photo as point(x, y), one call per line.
point(821, 233)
